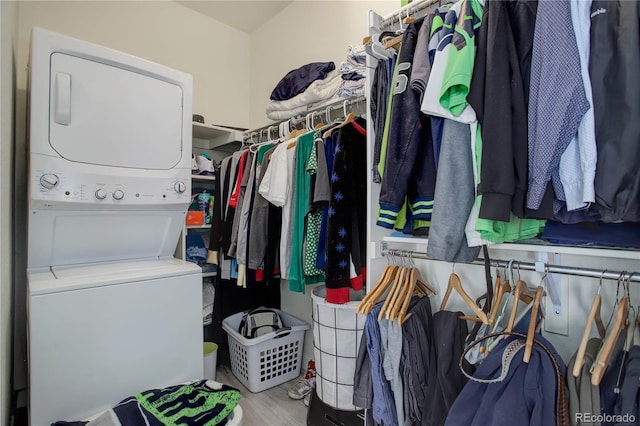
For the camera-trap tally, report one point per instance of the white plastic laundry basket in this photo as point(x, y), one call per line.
point(267, 360)
point(337, 330)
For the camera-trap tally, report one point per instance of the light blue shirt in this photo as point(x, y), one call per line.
point(383, 406)
point(578, 163)
point(557, 100)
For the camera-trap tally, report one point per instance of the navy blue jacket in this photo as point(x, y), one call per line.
point(296, 81)
point(526, 396)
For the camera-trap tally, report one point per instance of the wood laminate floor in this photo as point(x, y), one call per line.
point(271, 407)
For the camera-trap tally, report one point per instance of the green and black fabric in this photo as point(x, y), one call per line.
point(190, 404)
point(199, 403)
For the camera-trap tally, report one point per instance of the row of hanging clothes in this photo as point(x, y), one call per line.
point(420, 367)
point(295, 207)
point(490, 127)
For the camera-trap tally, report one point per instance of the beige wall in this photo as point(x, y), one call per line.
point(8, 37)
point(305, 31)
point(161, 31)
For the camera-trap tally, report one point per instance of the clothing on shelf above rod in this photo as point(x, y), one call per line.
point(529, 266)
point(328, 112)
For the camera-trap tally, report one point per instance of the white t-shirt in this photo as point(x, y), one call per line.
point(276, 187)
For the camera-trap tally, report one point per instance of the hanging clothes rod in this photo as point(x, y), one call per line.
point(329, 112)
point(409, 10)
point(529, 266)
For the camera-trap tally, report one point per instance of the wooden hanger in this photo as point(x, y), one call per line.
point(348, 119)
point(602, 361)
point(417, 285)
point(405, 287)
point(594, 316)
point(401, 313)
point(395, 289)
point(294, 135)
point(394, 43)
point(534, 325)
point(501, 289)
point(371, 298)
point(521, 292)
point(455, 284)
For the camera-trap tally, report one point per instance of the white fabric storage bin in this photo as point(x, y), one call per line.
point(337, 330)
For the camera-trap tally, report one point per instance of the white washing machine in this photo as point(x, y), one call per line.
point(99, 333)
point(110, 312)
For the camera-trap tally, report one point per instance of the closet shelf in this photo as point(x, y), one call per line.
point(537, 246)
point(208, 226)
point(202, 177)
point(209, 136)
point(208, 270)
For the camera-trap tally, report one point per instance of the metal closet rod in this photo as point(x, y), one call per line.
point(407, 11)
point(348, 105)
point(605, 274)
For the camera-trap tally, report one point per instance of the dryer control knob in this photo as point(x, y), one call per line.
point(180, 187)
point(118, 194)
point(49, 181)
point(101, 194)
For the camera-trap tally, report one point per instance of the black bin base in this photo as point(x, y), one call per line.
point(321, 414)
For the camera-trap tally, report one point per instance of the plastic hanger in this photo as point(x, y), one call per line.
point(455, 284)
point(378, 49)
point(348, 118)
point(316, 126)
point(594, 316)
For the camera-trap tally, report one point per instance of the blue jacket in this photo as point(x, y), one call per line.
point(409, 169)
point(526, 396)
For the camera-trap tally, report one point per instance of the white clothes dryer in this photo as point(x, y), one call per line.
point(110, 312)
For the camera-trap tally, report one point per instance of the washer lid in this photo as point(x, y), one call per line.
point(105, 114)
point(65, 278)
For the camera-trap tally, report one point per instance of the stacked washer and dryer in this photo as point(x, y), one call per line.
point(110, 311)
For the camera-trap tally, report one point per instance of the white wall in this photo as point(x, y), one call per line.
point(8, 37)
point(161, 31)
point(304, 32)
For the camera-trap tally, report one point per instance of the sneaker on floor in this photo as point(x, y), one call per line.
point(301, 388)
point(307, 399)
point(311, 370)
point(205, 164)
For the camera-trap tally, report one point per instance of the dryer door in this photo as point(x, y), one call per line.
point(107, 115)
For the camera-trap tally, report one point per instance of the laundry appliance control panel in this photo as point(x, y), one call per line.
point(125, 187)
